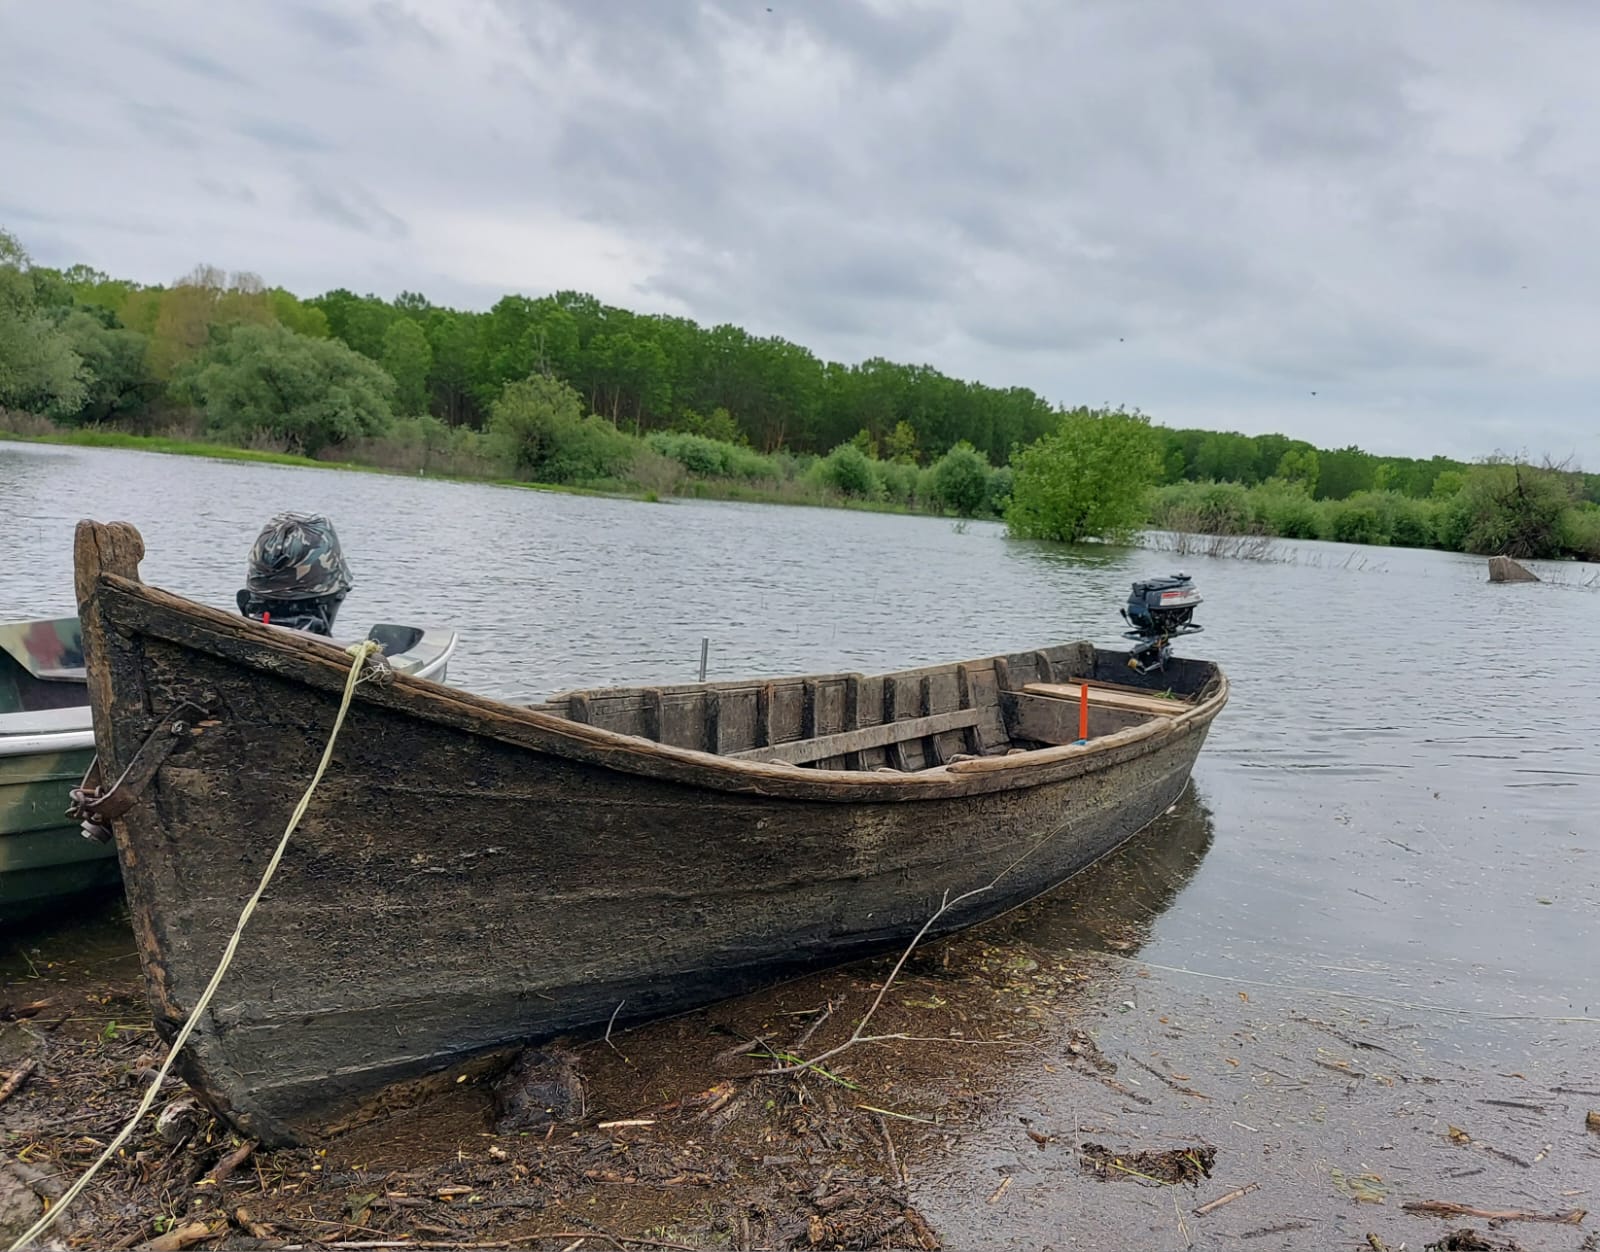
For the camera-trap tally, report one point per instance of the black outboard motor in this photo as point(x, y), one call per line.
point(297, 575)
point(1159, 610)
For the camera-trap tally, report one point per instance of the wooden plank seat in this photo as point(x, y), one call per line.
point(804, 751)
point(1109, 698)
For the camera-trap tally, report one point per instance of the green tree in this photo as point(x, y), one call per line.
point(1344, 471)
point(961, 477)
point(310, 393)
point(900, 444)
point(1228, 457)
point(118, 383)
point(454, 340)
point(302, 318)
point(539, 425)
point(1300, 465)
point(408, 359)
point(1088, 479)
point(39, 370)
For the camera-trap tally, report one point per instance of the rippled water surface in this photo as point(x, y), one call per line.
point(1399, 800)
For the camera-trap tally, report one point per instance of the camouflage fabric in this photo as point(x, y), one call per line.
point(44, 861)
point(297, 557)
point(45, 649)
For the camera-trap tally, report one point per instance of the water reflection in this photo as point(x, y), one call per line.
point(1115, 904)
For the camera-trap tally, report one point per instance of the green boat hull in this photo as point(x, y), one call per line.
point(45, 863)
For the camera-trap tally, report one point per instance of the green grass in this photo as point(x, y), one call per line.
point(97, 438)
point(693, 488)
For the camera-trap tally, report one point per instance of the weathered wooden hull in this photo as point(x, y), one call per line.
point(472, 875)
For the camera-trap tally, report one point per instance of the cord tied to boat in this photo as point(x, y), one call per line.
point(367, 665)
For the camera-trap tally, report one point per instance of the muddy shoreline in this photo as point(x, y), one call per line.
point(1022, 1099)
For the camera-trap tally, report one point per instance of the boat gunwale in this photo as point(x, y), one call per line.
point(29, 743)
point(324, 665)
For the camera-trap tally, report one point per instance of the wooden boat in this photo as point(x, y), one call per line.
point(47, 746)
point(472, 875)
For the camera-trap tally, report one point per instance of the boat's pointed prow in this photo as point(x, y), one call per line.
point(105, 547)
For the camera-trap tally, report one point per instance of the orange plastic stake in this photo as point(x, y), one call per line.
point(1083, 712)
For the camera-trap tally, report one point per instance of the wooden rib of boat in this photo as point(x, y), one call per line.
point(473, 875)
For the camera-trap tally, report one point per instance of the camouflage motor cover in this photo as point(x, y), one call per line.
point(297, 557)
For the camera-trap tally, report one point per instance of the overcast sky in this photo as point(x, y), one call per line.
point(1350, 221)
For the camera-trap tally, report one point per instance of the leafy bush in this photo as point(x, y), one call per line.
point(1286, 509)
point(1209, 508)
point(540, 426)
point(961, 477)
point(270, 381)
point(1087, 479)
point(718, 425)
point(658, 474)
point(1580, 531)
point(848, 471)
point(1510, 508)
point(1350, 521)
point(1000, 486)
point(714, 458)
point(897, 480)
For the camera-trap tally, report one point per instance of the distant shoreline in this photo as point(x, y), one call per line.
point(704, 489)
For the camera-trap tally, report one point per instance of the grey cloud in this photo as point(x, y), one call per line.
point(167, 126)
point(327, 27)
point(395, 20)
point(351, 208)
point(235, 193)
point(1205, 211)
point(276, 133)
point(887, 43)
point(195, 62)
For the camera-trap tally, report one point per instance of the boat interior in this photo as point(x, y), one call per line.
point(41, 666)
point(905, 721)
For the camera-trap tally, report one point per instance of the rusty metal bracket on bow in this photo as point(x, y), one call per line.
point(98, 807)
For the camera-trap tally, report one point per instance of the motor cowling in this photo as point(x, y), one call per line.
point(297, 575)
point(1159, 609)
point(1163, 606)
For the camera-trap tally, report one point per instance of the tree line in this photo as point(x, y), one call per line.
point(565, 388)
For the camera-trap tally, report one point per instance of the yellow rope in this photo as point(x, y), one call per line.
point(360, 652)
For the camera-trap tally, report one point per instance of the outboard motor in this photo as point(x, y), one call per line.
point(297, 575)
point(1159, 610)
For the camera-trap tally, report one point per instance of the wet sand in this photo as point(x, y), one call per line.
point(1332, 1113)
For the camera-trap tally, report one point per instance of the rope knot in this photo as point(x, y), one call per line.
point(370, 660)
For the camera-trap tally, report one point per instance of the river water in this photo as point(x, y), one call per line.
point(1399, 800)
point(1391, 833)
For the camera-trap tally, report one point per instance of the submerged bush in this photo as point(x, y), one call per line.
point(961, 477)
point(1088, 479)
point(1512, 509)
